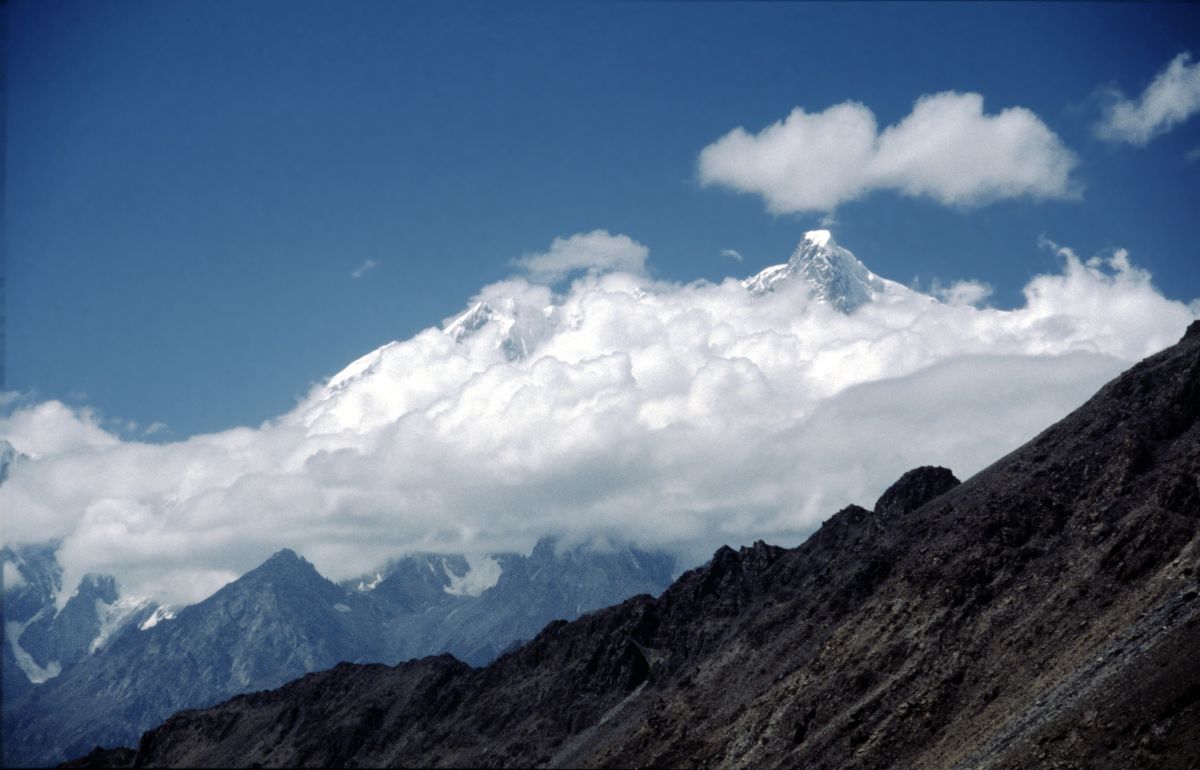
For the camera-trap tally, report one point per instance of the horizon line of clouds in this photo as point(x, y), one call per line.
point(640, 410)
point(679, 415)
point(946, 149)
point(1171, 98)
point(123, 427)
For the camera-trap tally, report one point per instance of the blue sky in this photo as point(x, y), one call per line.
point(192, 185)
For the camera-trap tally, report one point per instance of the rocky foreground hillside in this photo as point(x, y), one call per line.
point(1042, 614)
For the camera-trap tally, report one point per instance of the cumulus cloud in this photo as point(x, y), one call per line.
point(946, 149)
point(962, 292)
point(1173, 97)
point(732, 254)
point(362, 269)
point(596, 252)
point(678, 416)
point(8, 397)
point(53, 428)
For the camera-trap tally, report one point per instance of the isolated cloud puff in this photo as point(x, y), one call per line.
point(362, 269)
point(946, 149)
point(962, 292)
point(680, 416)
point(52, 428)
point(595, 252)
point(1173, 97)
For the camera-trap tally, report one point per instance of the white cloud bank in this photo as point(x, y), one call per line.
point(680, 416)
point(946, 149)
point(1173, 97)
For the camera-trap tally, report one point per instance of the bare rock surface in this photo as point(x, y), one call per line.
point(914, 489)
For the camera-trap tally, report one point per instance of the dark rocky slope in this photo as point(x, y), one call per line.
point(1043, 613)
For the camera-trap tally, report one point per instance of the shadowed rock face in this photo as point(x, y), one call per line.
point(914, 489)
point(1043, 613)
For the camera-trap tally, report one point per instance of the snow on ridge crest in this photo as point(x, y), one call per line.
point(357, 368)
point(515, 319)
point(482, 573)
point(116, 615)
point(472, 320)
point(833, 274)
point(160, 614)
point(516, 325)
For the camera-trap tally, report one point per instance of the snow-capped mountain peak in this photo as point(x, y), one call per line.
point(472, 320)
point(516, 327)
point(833, 274)
point(357, 368)
point(513, 320)
point(818, 237)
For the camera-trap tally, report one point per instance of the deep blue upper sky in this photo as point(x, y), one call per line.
point(190, 185)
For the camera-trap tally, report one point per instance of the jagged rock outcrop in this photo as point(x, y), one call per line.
point(1042, 613)
point(914, 489)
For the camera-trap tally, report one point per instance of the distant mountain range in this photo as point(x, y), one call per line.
point(62, 661)
point(819, 267)
point(89, 674)
point(828, 272)
point(99, 668)
point(1044, 613)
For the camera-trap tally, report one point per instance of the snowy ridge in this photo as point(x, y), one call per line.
point(766, 280)
point(371, 586)
point(357, 368)
point(47, 630)
point(833, 274)
point(516, 330)
point(484, 573)
point(510, 321)
point(35, 673)
point(115, 616)
point(470, 321)
point(160, 614)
